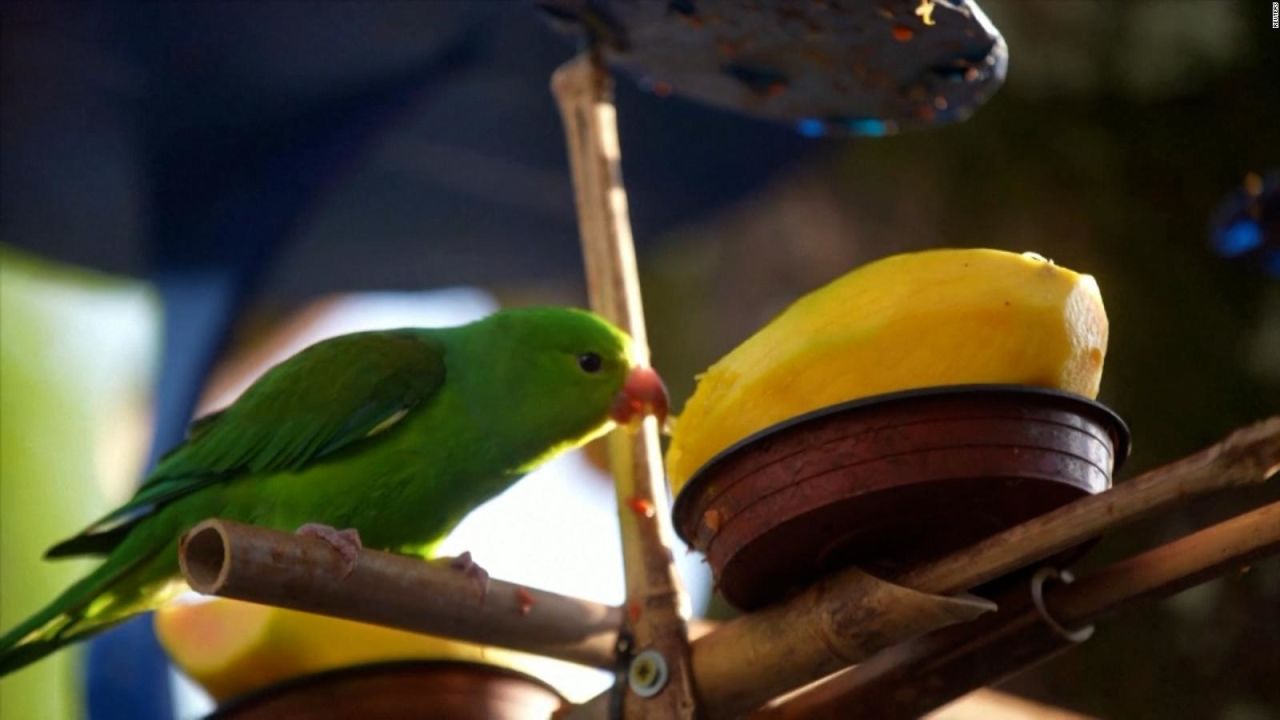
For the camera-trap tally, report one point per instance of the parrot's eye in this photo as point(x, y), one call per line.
point(590, 362)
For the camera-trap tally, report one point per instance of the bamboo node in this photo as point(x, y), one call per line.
point(1065, 577)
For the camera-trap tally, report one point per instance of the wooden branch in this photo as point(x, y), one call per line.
point(656, 604)
point(221, 557)
point(1169, 569)
point(1249, 455)
point(922, 674)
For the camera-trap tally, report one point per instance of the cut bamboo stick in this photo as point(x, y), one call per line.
point(917, 676)
point(841, 620)
point(656, 604)
point(220, 557)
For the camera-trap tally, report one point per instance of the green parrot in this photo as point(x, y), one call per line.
point(393, 435)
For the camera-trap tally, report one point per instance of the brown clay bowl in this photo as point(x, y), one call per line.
point(889, 481)
point(403, 690)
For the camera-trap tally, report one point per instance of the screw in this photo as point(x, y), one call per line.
point(648, 674)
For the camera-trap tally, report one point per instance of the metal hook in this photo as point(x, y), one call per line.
point(1078, 635)
point(648, 673)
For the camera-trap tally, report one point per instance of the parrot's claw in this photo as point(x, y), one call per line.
point(464, 564)
point(346, 542)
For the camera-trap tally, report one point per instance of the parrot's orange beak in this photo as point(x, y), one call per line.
point(642, 394)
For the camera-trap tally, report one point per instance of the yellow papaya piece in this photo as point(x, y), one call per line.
point(230, 647)
point(940, 317)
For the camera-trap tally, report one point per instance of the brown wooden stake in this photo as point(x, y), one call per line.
point(221, 557)
point(917, 676)
point(656, 604)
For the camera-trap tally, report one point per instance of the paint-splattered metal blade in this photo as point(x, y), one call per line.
point(866, 67)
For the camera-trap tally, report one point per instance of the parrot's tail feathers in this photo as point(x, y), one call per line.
point(109, 531)
point(89, 543)
point(74, 615)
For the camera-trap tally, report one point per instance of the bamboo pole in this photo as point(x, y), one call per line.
point(656, 604)
point(927, 672)
point(1247, 456)
point(1170, 568)
point(221, 557)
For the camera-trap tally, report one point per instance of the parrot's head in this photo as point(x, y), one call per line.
point(569, 372)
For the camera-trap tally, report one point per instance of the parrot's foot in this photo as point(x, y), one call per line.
point(346, 542)
point(464, 564)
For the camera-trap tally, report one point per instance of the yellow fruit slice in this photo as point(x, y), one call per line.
point(230, 647)
point(941, 317)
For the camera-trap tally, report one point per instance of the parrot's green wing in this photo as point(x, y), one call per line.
point(321, 400)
